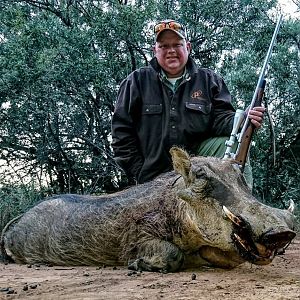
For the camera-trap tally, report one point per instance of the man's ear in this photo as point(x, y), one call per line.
point(188, 46)
point(154, 49)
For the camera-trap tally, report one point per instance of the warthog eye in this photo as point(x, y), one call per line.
point(200, 174)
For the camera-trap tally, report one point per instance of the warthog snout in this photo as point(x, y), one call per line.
point(275, 239)
point(259, 250)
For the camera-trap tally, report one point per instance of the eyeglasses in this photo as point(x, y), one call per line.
point(170, 24)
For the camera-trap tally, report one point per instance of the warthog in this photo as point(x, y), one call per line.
point(206, 215)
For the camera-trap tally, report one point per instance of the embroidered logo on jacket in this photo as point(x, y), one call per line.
point(197, 94)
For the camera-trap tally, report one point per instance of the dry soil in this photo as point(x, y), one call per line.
point(279, 280)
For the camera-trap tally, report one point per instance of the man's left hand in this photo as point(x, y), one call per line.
point(256, 115)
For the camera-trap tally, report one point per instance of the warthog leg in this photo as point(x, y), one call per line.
point(157, 256)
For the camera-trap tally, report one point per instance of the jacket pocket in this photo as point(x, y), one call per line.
point(151, 109)
point(198, 120)
point(199, 107)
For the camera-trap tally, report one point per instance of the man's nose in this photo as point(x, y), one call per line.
point(171, 48)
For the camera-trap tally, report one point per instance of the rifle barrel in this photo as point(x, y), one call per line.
point(261, 76)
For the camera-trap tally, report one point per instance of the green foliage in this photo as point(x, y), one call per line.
point(61, 64)
point(16, 199)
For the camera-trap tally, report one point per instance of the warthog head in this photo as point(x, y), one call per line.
point(234, 225)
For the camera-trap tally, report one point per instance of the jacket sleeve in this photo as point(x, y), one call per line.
point(223, 109)
point(125, 142)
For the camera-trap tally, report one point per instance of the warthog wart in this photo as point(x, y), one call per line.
point(201, 214)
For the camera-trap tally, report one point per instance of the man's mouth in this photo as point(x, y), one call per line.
point(172, 58)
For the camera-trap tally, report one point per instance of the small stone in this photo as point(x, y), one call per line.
point(33, 286)
point(10, 291)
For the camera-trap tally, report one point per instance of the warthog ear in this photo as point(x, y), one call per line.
point(182, 164)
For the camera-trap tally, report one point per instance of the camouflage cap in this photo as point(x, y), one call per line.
point(170, 25)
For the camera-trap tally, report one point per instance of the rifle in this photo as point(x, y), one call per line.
point(245, 136)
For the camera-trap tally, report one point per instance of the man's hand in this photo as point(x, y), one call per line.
point(257, 115)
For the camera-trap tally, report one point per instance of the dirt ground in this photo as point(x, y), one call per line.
point(279, 280)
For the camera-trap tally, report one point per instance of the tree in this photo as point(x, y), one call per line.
point(62, 62)
point(59, 95)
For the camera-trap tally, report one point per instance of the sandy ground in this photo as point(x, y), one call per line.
point(279, 280)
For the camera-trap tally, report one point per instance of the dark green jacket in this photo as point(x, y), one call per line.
point(150, 118)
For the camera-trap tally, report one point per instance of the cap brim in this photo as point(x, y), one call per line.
point(178, 33)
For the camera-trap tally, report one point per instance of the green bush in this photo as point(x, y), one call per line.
point(16, 199)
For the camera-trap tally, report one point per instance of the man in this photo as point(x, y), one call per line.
point(170, 102)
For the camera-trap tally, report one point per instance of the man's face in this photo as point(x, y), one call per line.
point(172, 53)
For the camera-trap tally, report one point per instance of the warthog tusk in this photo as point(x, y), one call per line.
point(242, 242)
point(291, 207)
point(231, 216)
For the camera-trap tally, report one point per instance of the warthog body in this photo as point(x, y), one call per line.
point(205, 216)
